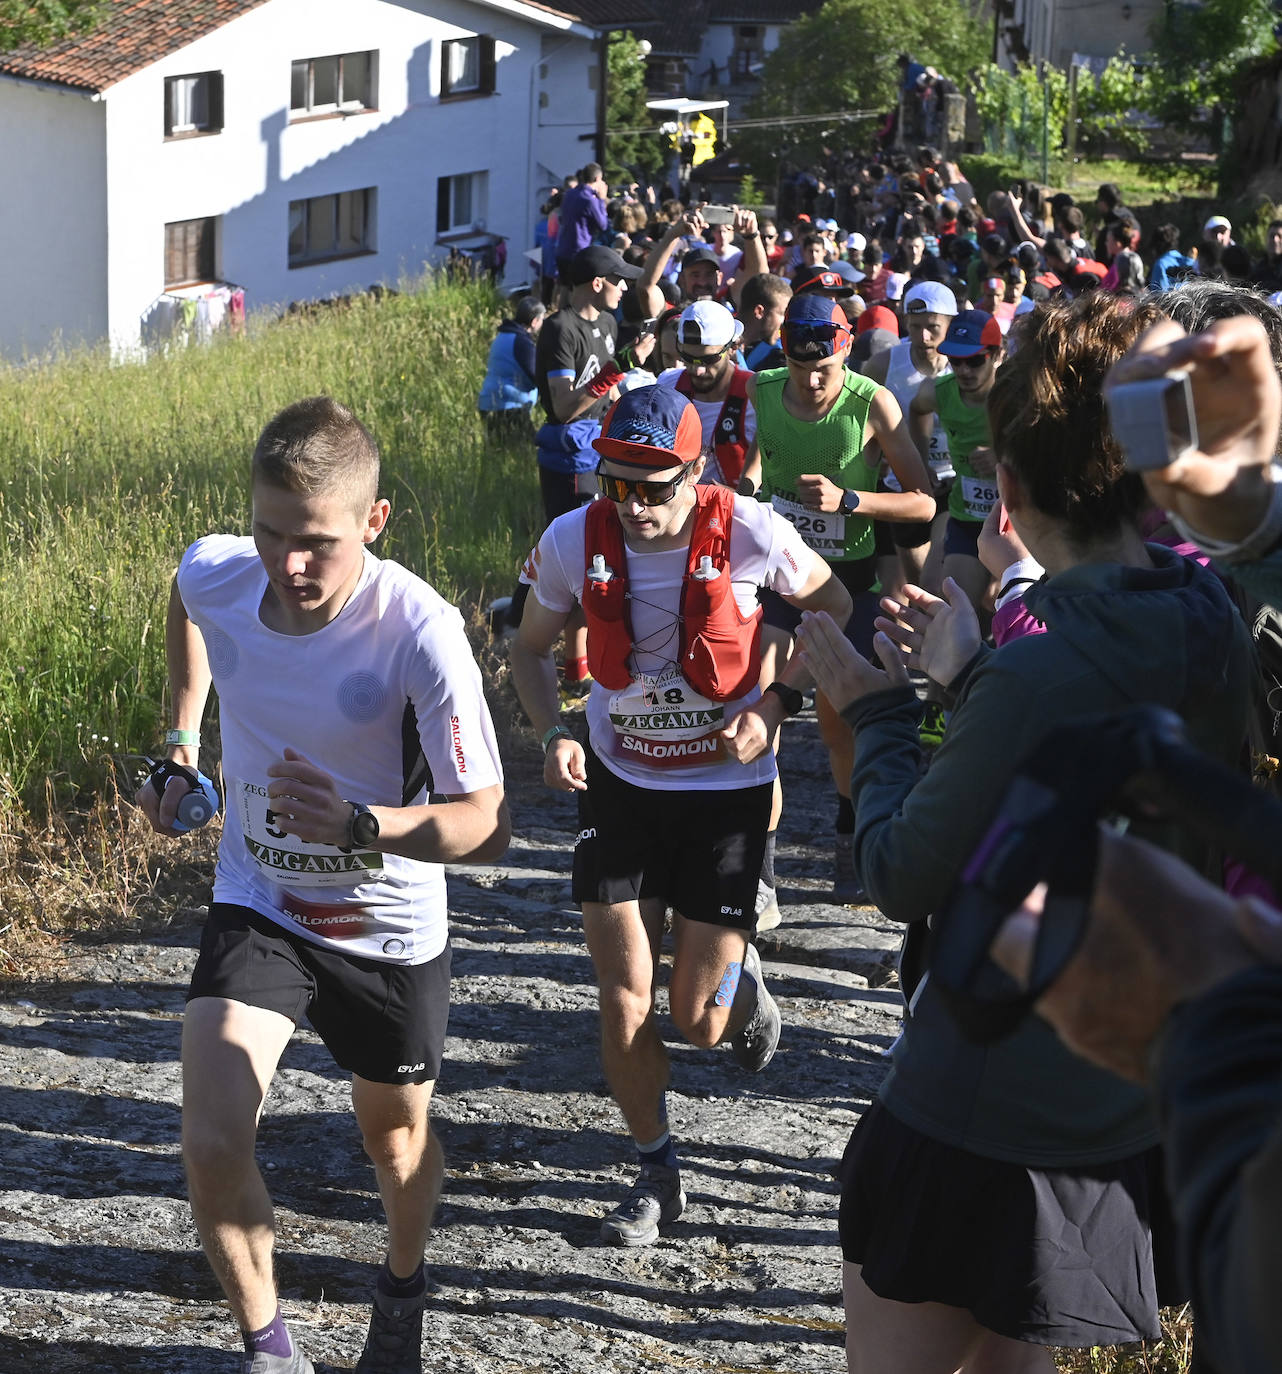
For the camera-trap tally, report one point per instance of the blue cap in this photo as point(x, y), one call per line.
point(813, 307)
point(846, 271)
point(971, 332)
point(654, 427)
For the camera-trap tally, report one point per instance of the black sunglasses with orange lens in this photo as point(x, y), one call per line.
point(648, 493)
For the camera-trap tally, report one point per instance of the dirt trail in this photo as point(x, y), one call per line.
point(99, 1265)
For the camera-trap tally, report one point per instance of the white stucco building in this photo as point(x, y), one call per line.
point(296, 149)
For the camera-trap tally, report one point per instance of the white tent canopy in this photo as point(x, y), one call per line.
point(683, 109)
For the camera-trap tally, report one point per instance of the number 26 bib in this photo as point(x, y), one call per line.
point(821, 530)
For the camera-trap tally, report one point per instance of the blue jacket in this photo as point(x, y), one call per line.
point(509, 372)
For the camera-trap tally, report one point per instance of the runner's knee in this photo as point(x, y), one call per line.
point(624, 1012)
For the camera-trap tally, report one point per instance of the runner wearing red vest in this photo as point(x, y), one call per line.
point(674, 779)
point(707, 338)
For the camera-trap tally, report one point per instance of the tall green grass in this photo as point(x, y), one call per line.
point(108, 471)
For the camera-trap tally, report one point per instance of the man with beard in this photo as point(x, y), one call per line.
point(706, 337)
point(700, 277)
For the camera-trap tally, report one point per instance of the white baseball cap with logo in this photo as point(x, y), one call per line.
point(708, 323)
point(930, 296)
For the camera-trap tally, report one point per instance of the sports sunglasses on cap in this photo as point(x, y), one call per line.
point(648, 493)
point(806, 340)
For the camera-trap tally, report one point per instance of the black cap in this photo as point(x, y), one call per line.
point(700, 253)
point(596, 261)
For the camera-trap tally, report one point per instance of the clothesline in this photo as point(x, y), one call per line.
point(174, 317)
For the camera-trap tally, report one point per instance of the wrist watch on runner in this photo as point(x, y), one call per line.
point(362, 826)
point(792, 699)
point(849, 502)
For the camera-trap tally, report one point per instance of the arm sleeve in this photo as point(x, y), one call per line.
point(1219, 1086)
point(913, 834)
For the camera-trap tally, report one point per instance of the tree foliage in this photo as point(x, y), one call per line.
point(1199, 50)
point(841, 58)
point(628, 154)
point(41, 22)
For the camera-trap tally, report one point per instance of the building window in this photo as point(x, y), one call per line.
point(467, 66)
point(333, 85)
point(193, 104)
point(191, 251)
point(460, 202)
point(326, 227)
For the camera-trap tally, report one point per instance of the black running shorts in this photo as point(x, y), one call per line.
point(383, 1022)
point(700, 852)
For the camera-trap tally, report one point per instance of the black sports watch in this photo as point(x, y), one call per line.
point(362, 826)
point(792, 699)
point(849, 502)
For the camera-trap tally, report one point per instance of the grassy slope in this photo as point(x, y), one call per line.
point(108, 471)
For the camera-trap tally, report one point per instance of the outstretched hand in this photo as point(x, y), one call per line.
point(840, 671)
point(937, 636)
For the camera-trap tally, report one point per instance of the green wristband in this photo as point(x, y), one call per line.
point(188, 737)
point(556, 732)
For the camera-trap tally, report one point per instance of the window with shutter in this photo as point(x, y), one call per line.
point(193, 104)
point(468, 66)
point(191, 251)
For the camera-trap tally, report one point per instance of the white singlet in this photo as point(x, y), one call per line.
point(337, 696)
point(709, 412)
point(904, 379)
point(765, 551)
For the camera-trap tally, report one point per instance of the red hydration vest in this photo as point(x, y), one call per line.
point(729, 442)
point(719, 646)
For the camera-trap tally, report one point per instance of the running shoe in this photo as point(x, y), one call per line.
point(394, 1343)
point(930, 733)
point(656, 1199)
point(755, 1044)
point(262, 1363)
point(846, 888)
point(767, 909)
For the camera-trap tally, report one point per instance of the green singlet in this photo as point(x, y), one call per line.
point(832, 446)
point(972, 496)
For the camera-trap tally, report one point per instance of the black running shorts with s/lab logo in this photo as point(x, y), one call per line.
point(383, 1022)
point(699, 851)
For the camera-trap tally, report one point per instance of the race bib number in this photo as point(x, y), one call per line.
point(293, 862)
point(822, 531)
point(979, 495)
point(660, 720)
point(939, 458)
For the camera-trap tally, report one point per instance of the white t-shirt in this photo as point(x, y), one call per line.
point(709, 412)
point(337, 696)
point(765, 551)
point(729, 261)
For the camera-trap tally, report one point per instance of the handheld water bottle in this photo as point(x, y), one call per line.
point(201, 803)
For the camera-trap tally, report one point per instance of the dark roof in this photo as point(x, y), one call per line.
point(134, 34)
point(673, 29)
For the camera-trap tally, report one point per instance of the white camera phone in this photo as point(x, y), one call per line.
point(1153, 420)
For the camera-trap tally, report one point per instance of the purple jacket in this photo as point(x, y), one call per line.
point(583, 217)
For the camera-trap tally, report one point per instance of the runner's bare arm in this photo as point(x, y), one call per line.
point(921, 417)
point(189, 684)
point(750, 733)
point(466, 827)
point(534, 676)
point(890, 429)
point(877, 367)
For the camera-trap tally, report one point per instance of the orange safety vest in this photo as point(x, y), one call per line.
point(719, 646)
point(729, 441)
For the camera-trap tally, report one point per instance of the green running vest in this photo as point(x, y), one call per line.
point(832, 446)
point(972, 496)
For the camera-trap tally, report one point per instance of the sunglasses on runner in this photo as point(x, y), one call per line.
point(971, 360)
point(648, 493)
point(705, 359)
point(805, 341)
